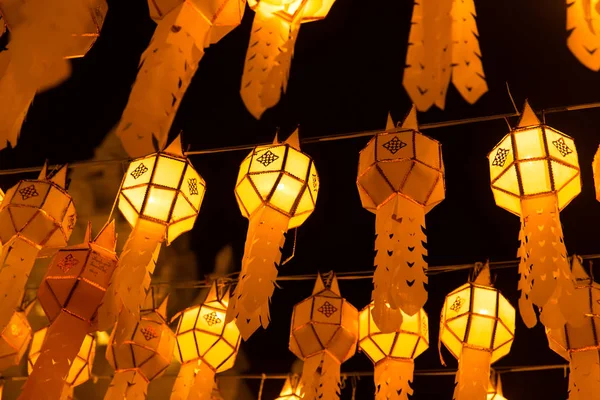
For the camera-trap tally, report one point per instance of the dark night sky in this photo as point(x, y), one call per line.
point(345, 77)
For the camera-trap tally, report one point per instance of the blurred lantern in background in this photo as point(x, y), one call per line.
point(400, 179)
point(324, 334)
point(477, 326)
point(495, 388)
point(535, 173)
point(583, 32)
point(292, 388)
point(15, 337)
point(393, 353)
point(276, 189)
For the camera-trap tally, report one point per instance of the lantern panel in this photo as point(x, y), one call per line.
point(428, 151)
point(453, 344)
point(484, 301)
point(307, 340)
point(385, 342)
point(18, 217)
point(535, 177)
point(267, 159)
point(183, 209)
point(248, 196)
point(297, 164)
point(366, 157)
point(39, 229)
point(314, 182)
point(232, 335)
point(211, 320)
point(327, 310)
point(186, 346)
point(508, 181)
point(506, 313)
point(458, 326)
point(508, 202)
point(375, 185)
point(264, 183)
point(325, 332)
point(481, 331)
point(285, 195)
point(395, 146)
point(569, 192)
point(204, 341)
point(218, 353)
point(371, 350)
point(168, 171)
point(31, 193)
point(396, 172)
point(298, 220)
point(364, 319)
point(502, 335)
point(420, 182)
point(85, 298)
point(228, 363)
point(501, 157)
point(56, 203)
point(529, 143)
point(136, 196)
point(343, 344)
point(501, 352)
point(139, 172)
point(302, 313)
point(244, 169)
point(458, 302)
point(75, 376)
point(193, 187)
point(422, 345)
point(405, 345)
point(306, 204)
point(158, 203)
point(188, 319)
point(411, 323)
point(561, 147)
point(562, 174)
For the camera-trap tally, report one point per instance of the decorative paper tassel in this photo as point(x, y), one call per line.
point(584, 376)
point(184, 381)
point(473, 375)
point(195, 381)
point(393, 380)
point(321, 377)
point(127, 385)
point(583, 27)
point(525, 304)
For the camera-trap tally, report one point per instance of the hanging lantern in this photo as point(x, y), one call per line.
point(577, 341)
point(400, 179)
point(276, 190)
point(292, 388)
point(535, 173)
point(205, 345)
point(15, 338)
point(43, 36)
point(140, 350)
point(393, 353)
point(324, 334)
point(443, 42)
point(583, 27)
point(168, 65)
point(160, 197)
point(80, 369)
point(477, 326)
point(495, 388)
point(70, 294)
point(596, 170)
point(37, 217)
point(271, 48)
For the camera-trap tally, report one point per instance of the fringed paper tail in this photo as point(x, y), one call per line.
point(584, 376)
point(166, 70)
point(526, 309)
point(583, 26)
point(393, 379)
point(203, 383)
point(321, 377)
point(473, 375)
point(184, 381)
point(68, 393)
point(127, 385)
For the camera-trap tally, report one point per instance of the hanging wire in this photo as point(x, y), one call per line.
point(262, 386)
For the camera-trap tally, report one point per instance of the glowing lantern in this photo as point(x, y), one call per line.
point(443, 42)
point(271, 48)
point(276, 190)
point(70, 295)
point(15, 338)
point(292, 388)
point(205, 345)
point(535, 173)
point(400, 179)
point(36, 218)
point(324, 334)
point(583, 37)
point(139, 350)
point(168, 65)
point(495, 388)
point(43, 36)
point(80, 370)
point(596, 169)
point(477, 326)
point(393, 353)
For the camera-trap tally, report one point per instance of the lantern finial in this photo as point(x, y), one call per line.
point(528, 117)
point(410, 121)
point(44, 172)
point(390, 125)
point(107, 238)
point(482, 275)
point(294, 139)
point(87, 238)
point(176, 147)
point(60, 176)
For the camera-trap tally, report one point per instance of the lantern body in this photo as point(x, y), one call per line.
point(292, 389)
point(14, 340)
point(81, 369)
point(290, 10)
point(280, 177)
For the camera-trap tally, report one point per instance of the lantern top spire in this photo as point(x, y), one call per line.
point(410, 121)
point(327, 282)
point(528, 117)
point(175, 147)
point(58, 177)
point(215, 294)
point(481, 274)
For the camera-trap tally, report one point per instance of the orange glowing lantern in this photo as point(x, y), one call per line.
point(400, 179)
point(276, 190)
point(495, 388)
point(292, 388)
point(393, 353)
point(324, 334)
point(535, 173)
point(15, 338)
point(596, 170)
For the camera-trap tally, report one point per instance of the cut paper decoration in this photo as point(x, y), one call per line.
point(206, 345)
point(139, 350)
point(15, 338)
point(578, 342)
point(276, 189)
point(495, 388)
point(43, 36)
point(534, 173)
point(292, 388)
point(400, 179)
point(324, 334)
point(477, 326)
point(37, 217)
point(596, 170)
point(393, 353)
point(271, 48)
point(443, 43)
point(70, 294)
point(168, 65)
point(583, 30)
point(160, 198)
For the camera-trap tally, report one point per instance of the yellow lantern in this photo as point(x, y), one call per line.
point(583, 37)
point(535, 173)
point(15, 338)
point(495, 388)
point(324, 334)
point(205, 345)
point(276, 190)
point(400, 179)
point(169, 64)
point(292, 388)
point(271, 48)
point(477, 326)
point(596, 170)
point(393, 353)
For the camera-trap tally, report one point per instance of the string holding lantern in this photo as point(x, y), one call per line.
point(206, 345)
point(324, 334)
point(15, 337)
point(477, 326)
point(292, 388)
point(168, 65)
point(393, 353)
point(535, 173)
point(400, 179)
point(582, 27)
point(495, 388)
point(276, 189)
point(272, 40)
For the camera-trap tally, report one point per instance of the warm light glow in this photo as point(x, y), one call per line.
point(308, 10)
point(292, 389)
point(14, 340)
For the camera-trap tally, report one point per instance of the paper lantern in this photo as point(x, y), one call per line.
point(393, 353)
point(168, 65)
point(443, 42)
point(596, 170)
point(276, 190)
point(477, 326)
point(292, 388)
point(583, 32)
point(324, 334)
point(37, 217)
point(15, 338)
point(577, 341)
point(495, 388)
point(271, 48)
point(400, 179)
point(535, 173)
point(70, 294)
point(43, 36)
point(160, 197)
point(140, 350)
point(205, 345)
point(80, 369)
